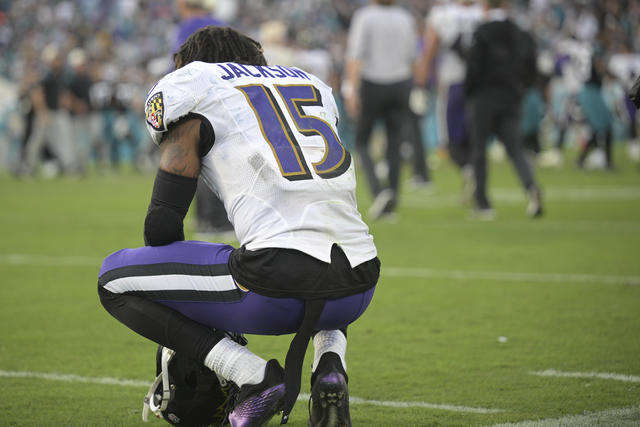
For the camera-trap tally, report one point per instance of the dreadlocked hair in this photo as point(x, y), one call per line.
point(220, 44)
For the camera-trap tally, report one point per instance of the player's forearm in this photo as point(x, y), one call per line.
point(425, 61)
point(170, 199)
point(351, 83)
point(175, 184)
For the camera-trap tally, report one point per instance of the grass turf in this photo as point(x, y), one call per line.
point(431, 335)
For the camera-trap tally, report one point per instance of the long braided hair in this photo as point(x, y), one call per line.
point(219, 44)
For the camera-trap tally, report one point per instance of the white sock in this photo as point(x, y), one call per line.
point(236, 363)
point(325, 341)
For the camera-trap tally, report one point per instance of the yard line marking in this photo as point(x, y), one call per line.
point(615, 416)
point(573, 225)
point(511, 196)
point(599, 375)
point(442, 406)
point(53, 376)
point(509, 276)
point(74, 261)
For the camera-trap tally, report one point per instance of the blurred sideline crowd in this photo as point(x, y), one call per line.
point(74, 74)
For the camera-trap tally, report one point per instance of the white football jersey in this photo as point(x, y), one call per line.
point(277, 163)
point(453, 21)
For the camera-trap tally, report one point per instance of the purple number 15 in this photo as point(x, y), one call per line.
point(277, 132)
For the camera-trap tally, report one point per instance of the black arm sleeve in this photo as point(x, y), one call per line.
point(172, 194)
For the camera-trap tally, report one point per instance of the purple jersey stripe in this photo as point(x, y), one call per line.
point(187, 252)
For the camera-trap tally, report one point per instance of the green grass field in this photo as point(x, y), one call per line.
point(466, 316)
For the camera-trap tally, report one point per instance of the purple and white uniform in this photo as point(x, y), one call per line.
point(286, 182)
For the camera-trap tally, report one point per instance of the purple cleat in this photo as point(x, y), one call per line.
point(258, 403)
point(329, 394)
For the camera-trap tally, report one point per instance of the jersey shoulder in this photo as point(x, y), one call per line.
point(176, 95)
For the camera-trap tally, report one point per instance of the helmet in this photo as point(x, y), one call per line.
point(186, 393)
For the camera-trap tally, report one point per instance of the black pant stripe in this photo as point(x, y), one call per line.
point(190, 295)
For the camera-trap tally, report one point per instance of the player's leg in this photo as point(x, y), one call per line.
point(607, 148)
point(458, 139)
point(63, 144)
point(370, 106)
point(508, 131)
point(35, 142)
point(586, 149)
point(182, 296)
point(480, 122)
point(457, 129)
point(395, 113)
point(413, 134)
point(329, 380)
point(329, 390)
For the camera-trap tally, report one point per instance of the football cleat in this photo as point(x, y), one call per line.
point(256, 404)
point(383, 204)
point(329, 404)
point(534, 207)
point(483, 214)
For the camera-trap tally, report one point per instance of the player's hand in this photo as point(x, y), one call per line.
point(419, 101)
point(352, 105)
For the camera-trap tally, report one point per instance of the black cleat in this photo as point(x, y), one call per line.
point(256, 404)
point(329, 404)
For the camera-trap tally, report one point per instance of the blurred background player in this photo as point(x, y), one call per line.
point(572, 55)
point(634, 92)
point(598, 117)
point(501, 65)
point(86, 127)
point(380, 55)
point(624, 64)
point(212, 221)
point(52, 126)
point(449, 27)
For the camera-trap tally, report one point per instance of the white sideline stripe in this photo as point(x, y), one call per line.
point(511, 196)
point(172, 282)
point(75, 261)
point(53, 376)
point(610, 417)
point(574, 225)
point(509, 276)
point(598, 375)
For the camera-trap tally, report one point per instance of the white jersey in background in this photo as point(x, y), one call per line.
point(453, 22)
point(277, 162)
point(625, 67)
point(577, 69)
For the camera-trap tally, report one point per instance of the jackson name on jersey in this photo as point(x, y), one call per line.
point(277, 162)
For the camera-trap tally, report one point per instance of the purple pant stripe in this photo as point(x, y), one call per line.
point(456, 116)
point(261, 315)
point(187, 252)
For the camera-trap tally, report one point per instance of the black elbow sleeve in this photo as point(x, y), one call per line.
point(170, 200)
point(162, 226)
